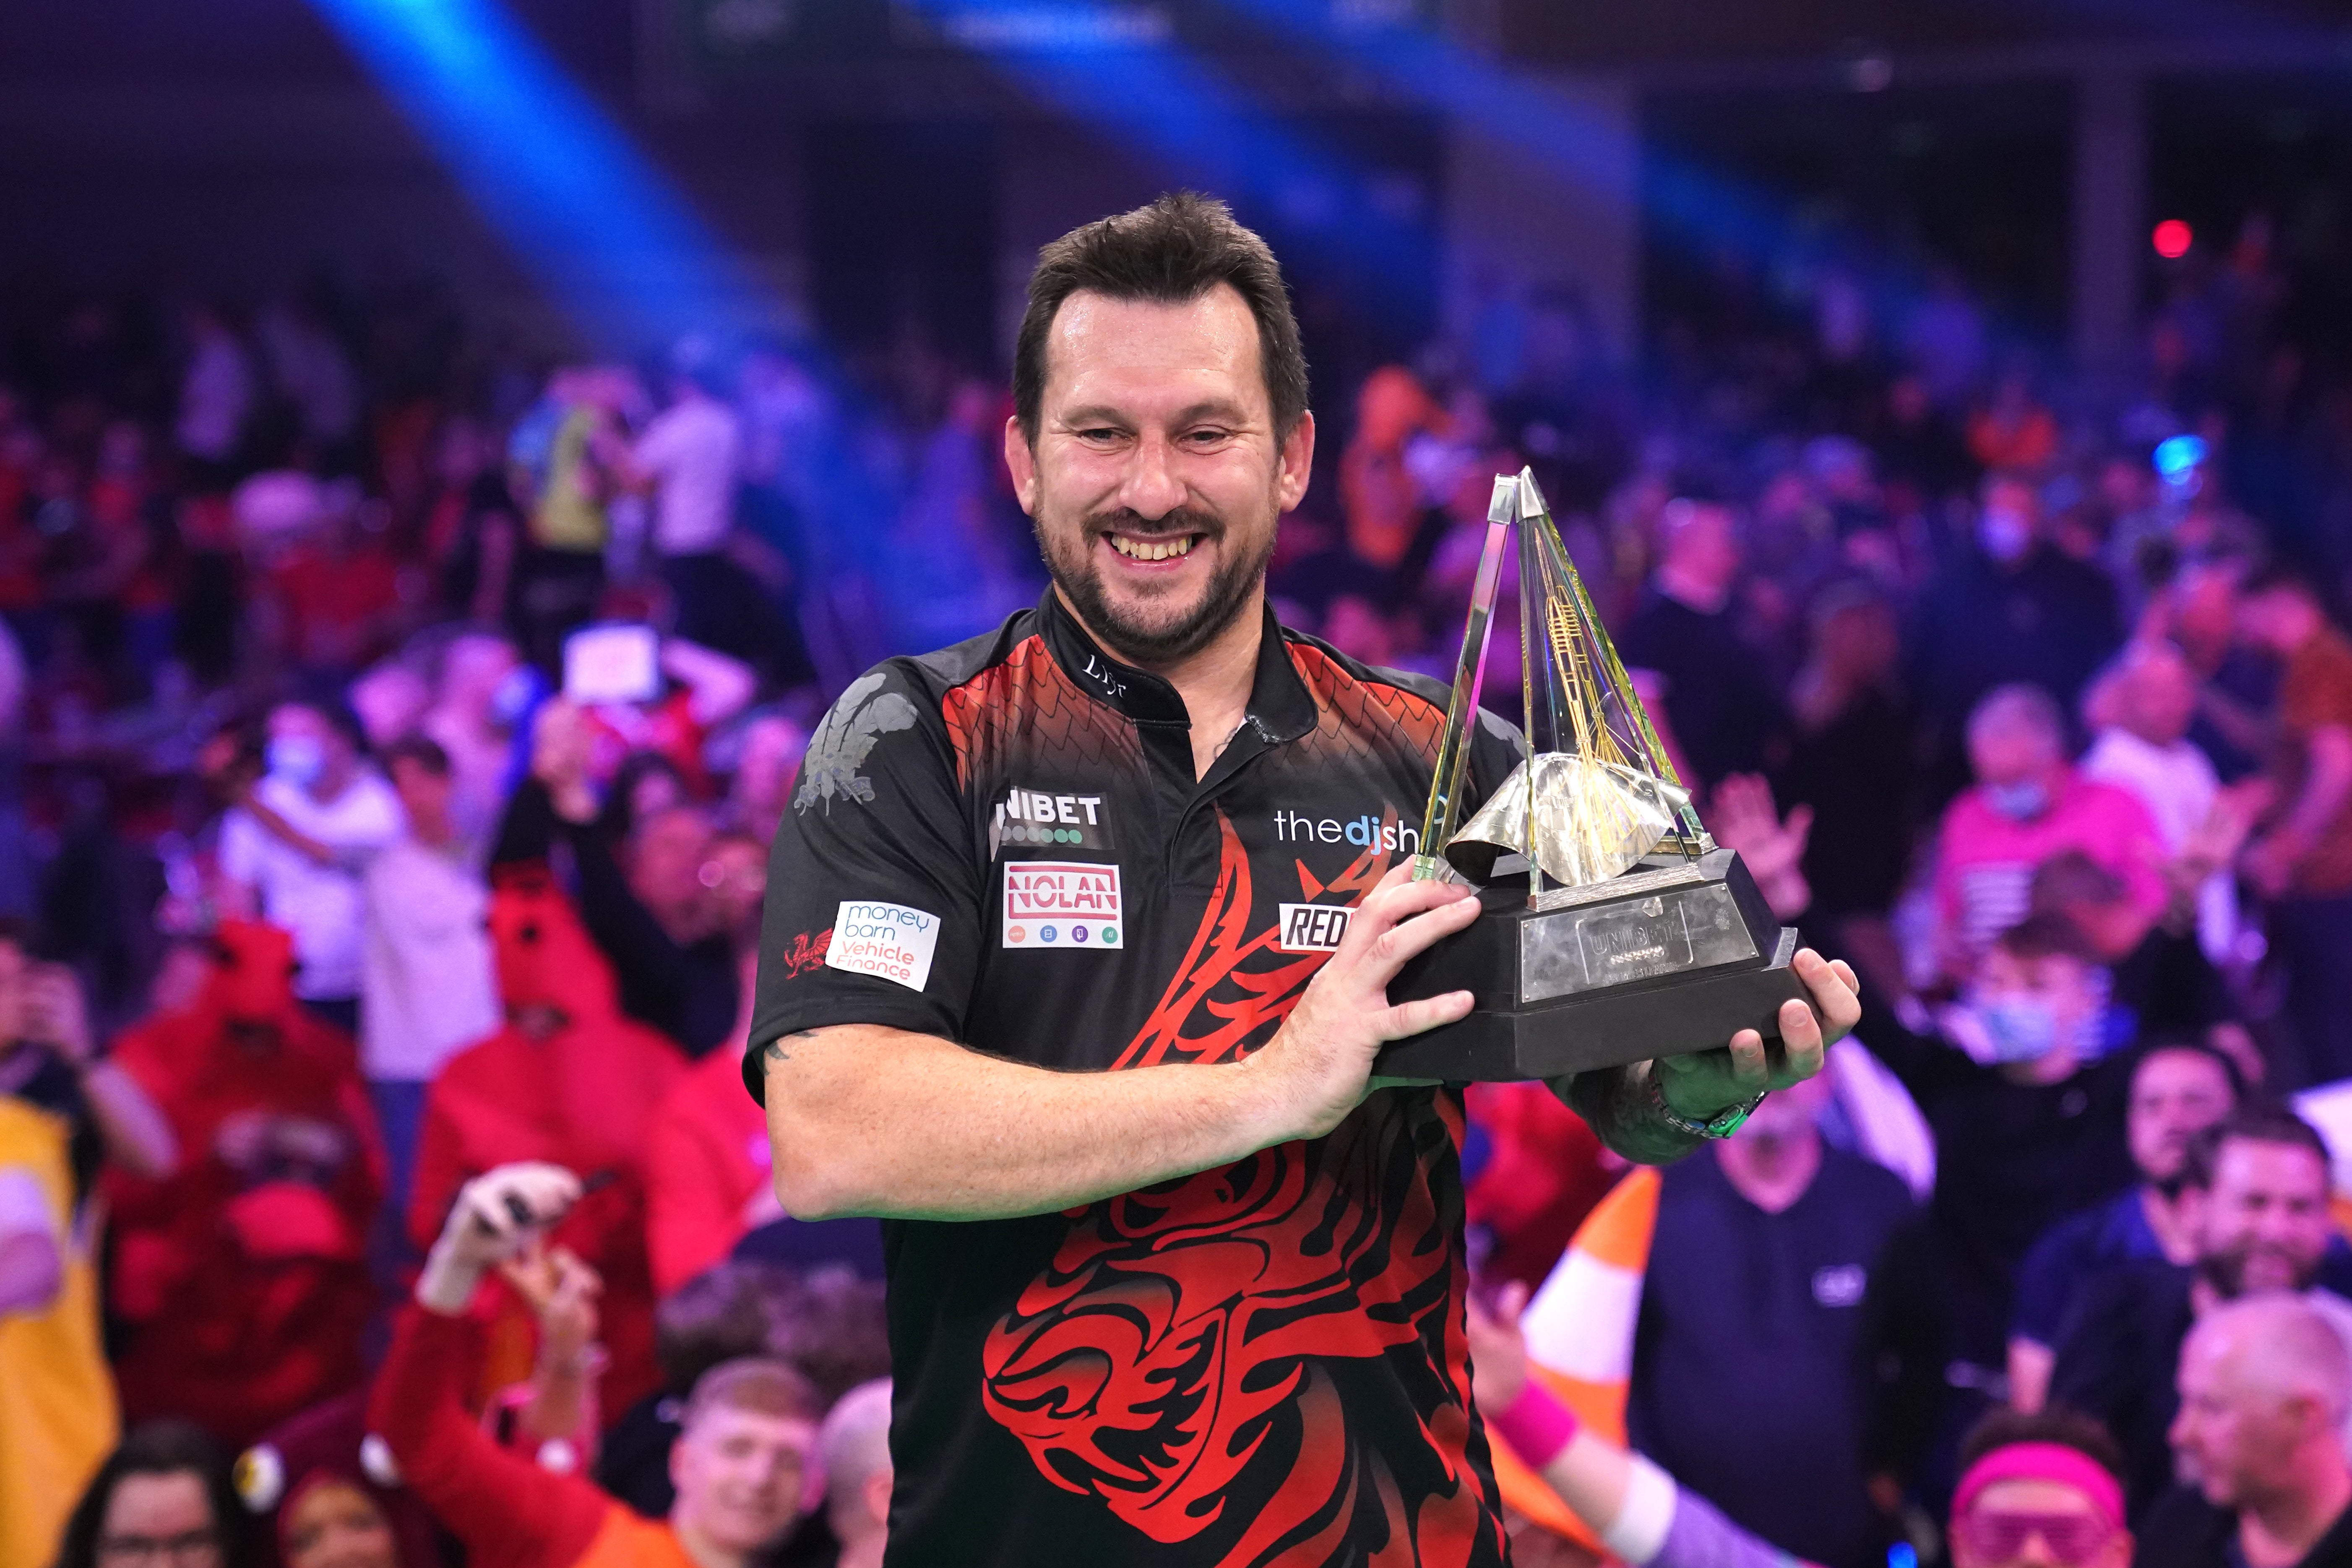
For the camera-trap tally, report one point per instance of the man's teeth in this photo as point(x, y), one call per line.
point(1146, 550)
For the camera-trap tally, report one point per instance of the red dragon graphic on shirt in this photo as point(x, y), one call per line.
point(1179, 1351)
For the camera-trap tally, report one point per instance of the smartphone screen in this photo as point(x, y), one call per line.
point(619, 661)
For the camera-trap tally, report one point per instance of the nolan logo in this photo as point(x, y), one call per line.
point(1311, 928)
point(1062, 904)
point(1035, 816)
point(1365, 832)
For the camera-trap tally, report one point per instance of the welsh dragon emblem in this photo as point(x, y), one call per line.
point(845, 739)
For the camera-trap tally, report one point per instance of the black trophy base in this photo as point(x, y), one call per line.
point(1674, 957)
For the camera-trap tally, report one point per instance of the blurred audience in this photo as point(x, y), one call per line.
point(2257, 1190)
point(286, 595)
point(165, 1495)
point(2265, 1386)
point(241, 1280)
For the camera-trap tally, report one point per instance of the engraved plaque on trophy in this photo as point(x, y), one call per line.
point(1614, 928)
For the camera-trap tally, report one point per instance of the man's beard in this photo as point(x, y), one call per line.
point(1146, 643)
point(2226, 1272)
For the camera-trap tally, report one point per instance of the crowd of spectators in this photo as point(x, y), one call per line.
point(392, 729)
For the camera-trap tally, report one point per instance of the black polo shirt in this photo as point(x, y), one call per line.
point(1003, 844)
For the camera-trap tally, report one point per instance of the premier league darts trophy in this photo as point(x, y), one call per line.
point(1614, 928)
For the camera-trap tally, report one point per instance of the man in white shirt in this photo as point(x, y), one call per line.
point(690, 457)
point(427, 981)
point(293, 846)
point(2142, 709)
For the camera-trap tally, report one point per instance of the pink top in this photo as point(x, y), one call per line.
point(1985, 861)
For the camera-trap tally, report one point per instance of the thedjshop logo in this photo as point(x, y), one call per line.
point(1365, 832)
point(1062, 904)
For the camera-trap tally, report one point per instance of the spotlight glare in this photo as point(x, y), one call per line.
point(2172, 238)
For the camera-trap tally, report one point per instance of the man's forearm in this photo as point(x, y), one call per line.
point(1617, 1104)
point(135, 1132)
point(872, 1120)
point(2327, 785)
point(293, 837)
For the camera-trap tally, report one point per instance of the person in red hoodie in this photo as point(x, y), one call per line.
point(745, 1462)
point(570, 1081)
point(713, 1182)
point(244, 1276)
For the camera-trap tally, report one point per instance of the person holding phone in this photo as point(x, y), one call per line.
point(64, 1111)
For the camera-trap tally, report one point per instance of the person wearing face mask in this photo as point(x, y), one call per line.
point(295, 843)
point(2027, 805)
point(2009, 608)
point(2256, 1191)
point(2022, 1083)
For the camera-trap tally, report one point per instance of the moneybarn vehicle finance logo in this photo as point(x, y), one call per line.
point(889, 941)
point(1062, 904)
point(1365, 832)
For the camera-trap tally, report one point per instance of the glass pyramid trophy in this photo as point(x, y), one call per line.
point(1614, 928)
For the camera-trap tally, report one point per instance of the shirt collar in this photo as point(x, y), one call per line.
point(1279, 702)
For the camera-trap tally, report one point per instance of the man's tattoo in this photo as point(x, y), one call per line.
point(775, 1048)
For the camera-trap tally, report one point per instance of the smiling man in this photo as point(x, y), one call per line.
point(1173, 1281)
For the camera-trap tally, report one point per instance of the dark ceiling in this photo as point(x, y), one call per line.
point(1602, 33)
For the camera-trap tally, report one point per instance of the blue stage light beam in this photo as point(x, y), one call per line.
point(1698, 206)
point(1189, 119)
point(628, 260)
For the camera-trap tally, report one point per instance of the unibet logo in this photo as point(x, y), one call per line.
point(1365, 832)
point(1033, 816)
point(1311, 928)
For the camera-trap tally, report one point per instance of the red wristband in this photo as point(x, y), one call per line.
point(1536, 1424)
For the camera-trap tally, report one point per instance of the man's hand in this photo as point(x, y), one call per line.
point(559, 758)
point(2269, 863)
point(560, 1289)
point(495, 1217)
point(1317, 1067)
point(1703, 1086)
point(54, 1012)
point(1499, 1349)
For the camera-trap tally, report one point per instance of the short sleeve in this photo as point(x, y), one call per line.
point(875, 900)
point(2317, 692)
point(657, 449)
point(240, 848)
point(374, 822)
point(2045, 1286)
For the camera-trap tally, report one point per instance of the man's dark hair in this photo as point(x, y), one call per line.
point(2048, 935)
point(2004, 1427)
point(2196, 1047)
point(161, 1448)
point(423, 750)
point(1171, 251)
point(727, 1311)
point(2280, 577)
point(2255, 1122)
